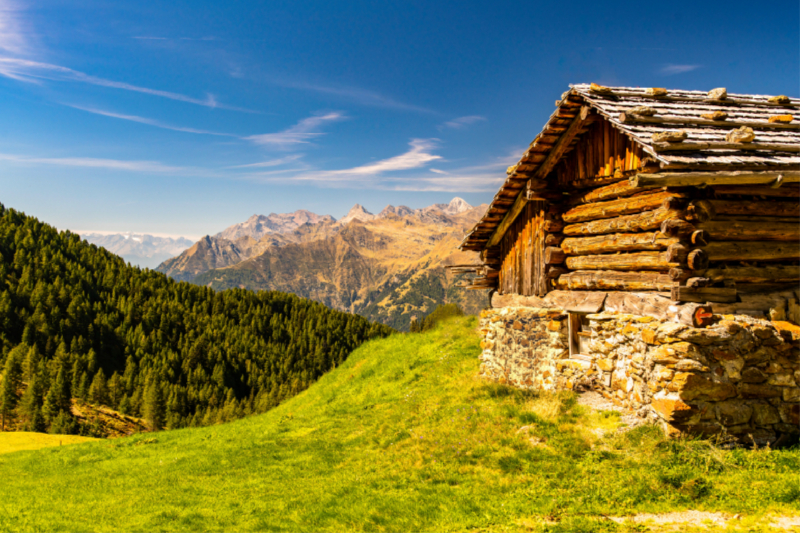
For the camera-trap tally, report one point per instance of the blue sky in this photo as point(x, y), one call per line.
point(183, 117)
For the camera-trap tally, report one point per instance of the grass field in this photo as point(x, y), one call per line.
point(402, 437)
point(22, 440)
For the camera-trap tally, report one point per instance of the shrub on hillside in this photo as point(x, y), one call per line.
point(437, 315)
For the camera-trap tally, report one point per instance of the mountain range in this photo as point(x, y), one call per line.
point(388, 267)
point(139, 249)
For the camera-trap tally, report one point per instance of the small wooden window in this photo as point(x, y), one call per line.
point(579, 336)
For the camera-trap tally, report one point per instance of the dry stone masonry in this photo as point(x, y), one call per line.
point(738, 377)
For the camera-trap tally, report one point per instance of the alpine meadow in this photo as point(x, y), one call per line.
point(399, 267)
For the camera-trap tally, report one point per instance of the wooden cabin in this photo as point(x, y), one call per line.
point(690, 194)
point(646, 246)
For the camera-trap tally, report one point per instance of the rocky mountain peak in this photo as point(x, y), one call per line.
point(357, 212)
point(457, 205)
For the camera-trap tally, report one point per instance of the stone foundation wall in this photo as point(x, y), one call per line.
point(739, 376)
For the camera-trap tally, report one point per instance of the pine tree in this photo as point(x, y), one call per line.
point(32, 399)
point(98, 392)
point(58, 398)
point(114, 389)
point(8, 389)
point(153, 404)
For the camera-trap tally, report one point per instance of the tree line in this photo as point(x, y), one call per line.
point(79, 324)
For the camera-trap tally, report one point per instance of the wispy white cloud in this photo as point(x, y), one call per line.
point(300, 133)
point(14, 31)
point(148, 121)
point(26, 70)
point(271, 162)
point(418, 156)
point(89, 162)
point(670, 70)
point(462, 122)
point(357, 95)
point(437, 171)
point(488, 182)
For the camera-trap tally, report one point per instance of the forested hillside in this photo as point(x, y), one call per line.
point(78, 324)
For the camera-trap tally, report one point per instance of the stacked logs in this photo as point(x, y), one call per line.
point(622, 237)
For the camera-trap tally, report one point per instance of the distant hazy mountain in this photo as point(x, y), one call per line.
point(258, 226)
point(139, 249)
point(387, 267)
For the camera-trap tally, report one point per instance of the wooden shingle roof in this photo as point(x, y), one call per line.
point(639, 114)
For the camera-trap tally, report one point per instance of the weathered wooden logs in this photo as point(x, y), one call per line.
point(620, 189)
point(645, 221)
point(554, 271)
point(771, 208)
point(701, 211)
point(753, 251)
point(675, 227)
point(677, 253)
point(697, 259)
point(679, 274)
point(554, 255)
point(615, 208)
point(553, 239)
point(786, 191)
point(703, 294)
point(734, 177)
point(631, 261)
point(700, 238)
point(736, 230)
point(553, 226)
point(609, 280)
point(765, 274)
point(616, 242)
point(695, 315)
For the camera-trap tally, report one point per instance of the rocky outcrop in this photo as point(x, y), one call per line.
point(739, 377)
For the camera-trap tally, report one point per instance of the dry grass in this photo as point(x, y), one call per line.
point(16, 441)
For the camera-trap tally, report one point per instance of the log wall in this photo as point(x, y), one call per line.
point(597, 232)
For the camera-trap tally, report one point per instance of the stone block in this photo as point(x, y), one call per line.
point(690, 386)
point(758, 436)
point(788, 428)
point(690, 365)
point(605, 365)
point(705, 337)
point(790, 413)
point(672, 410)
point(664, 374)
point(756, 357)
point(630, 330)
point(765, 415)
point(791, 394)
point(649, 336)
point(723, 355)
point(763, 332)
point(755, 390)
point(730, 326)
point(554, 325)
point(734, 412)
point(701, 428)
point(743, 342)
point(753, 375)
point(782, 380)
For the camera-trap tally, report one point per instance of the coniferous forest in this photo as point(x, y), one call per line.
point(79, 324)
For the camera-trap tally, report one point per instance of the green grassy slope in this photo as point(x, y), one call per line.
point(401, 437)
